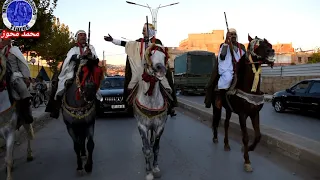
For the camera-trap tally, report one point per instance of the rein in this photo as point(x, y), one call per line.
point(256, 74)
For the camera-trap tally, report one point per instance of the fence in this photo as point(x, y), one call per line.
point(293, 70)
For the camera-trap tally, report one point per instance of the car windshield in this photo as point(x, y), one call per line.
point(112, 83)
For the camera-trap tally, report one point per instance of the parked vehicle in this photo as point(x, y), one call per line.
point(38, 98)
point(192, 71)
point(304, 95)
point(111, 90)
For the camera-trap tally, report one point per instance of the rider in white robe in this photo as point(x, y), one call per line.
point(225, 62)
point(67, 71)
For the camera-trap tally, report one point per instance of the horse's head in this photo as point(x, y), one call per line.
point(88, 78)
point(261, 51)
point(157, 60)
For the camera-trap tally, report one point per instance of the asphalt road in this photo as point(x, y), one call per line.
point(186, 153)
point(306, 125)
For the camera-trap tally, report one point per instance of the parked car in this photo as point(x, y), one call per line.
point(111, 90)
point(304, 95)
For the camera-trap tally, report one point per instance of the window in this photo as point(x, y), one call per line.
point(112, 83)
point(315, 88)
point(309, 58)
point(299, 59)
point(301, 87)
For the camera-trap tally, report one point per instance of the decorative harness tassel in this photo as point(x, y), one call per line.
point(150, 79)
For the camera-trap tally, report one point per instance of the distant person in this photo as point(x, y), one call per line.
point(42, 87)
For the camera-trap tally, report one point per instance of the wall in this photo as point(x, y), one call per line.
point(283, 77)
point(271, 85)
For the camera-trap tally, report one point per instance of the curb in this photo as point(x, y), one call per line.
point(37, 120)
point(303, 150)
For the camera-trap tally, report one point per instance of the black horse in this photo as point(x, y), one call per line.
point(78, 109)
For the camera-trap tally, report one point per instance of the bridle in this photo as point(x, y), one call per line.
point(149, 65)
point(149, 72)
point(92, 78)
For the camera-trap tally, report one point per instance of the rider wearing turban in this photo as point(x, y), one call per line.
point(225, 69)
point(147, 38)
point(67, 71)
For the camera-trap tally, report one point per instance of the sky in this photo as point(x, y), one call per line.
point(279, 21)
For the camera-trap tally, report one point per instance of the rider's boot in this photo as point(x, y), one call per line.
point(56, 109)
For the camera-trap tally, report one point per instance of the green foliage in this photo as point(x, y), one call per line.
point(56, 48)
point(43, 24)
point(315, 58)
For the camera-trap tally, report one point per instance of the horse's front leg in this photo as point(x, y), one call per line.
point(245, 141)
point(146, 149)
point(90, 147)
point(255, 119)
point(156, 148)
point(76, 146)
point(10, 137)
point(30, 136)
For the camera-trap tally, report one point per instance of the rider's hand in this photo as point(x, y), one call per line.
point(87, 52)
point(108, 38)
point(228, 38)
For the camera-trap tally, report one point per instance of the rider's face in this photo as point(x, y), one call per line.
point(144, 31)
point(82, 38)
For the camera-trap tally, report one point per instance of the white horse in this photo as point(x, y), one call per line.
point(150, 102)
point(9, 122)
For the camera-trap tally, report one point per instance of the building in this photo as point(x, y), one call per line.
point(203, 41)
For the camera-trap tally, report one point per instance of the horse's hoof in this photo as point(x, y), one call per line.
point(156, 172)
point(88, 168)
point(29, 158)
point(80, 172)
point(215, 140)
point(149, 176)
point(227, 148)
point(248, 168)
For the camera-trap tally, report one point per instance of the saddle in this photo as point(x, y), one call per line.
point(132, 94)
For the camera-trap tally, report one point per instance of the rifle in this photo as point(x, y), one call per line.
point(147, 28)
point(230, 44)
point(88, 45)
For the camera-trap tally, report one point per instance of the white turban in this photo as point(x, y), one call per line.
point(232, 30)
point(79, 32)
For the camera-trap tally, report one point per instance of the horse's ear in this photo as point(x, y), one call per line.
point(249, 38)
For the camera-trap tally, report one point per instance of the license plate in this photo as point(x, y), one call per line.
point(117, 106)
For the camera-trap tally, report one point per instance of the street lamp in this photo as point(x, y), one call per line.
point(154, 12)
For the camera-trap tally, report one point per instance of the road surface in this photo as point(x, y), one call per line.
point(293, 122)
point(186, 153)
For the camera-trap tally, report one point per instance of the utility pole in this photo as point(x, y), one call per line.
point(154, 12)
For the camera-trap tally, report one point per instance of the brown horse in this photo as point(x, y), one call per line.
point(247, 99)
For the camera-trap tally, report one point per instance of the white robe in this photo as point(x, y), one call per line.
point(67, 70)
point(132, 49)
point(225, 68)
point(25, 72)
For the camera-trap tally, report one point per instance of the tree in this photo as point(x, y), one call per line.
point(315, 58)
point(43, 25)
point(56, 48)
